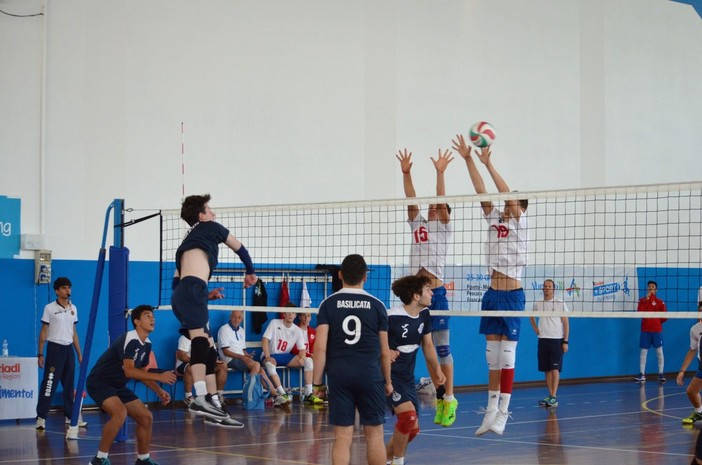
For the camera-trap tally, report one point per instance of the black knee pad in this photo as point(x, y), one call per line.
point(211, 361)
point(199, 350)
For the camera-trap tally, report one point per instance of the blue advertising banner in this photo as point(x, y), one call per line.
point(10, 210)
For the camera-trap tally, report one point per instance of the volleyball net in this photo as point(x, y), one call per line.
point(600, 247)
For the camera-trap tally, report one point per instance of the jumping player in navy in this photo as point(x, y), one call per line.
point(409, 329)
point(126, 358)
point(196, 258)
point(352, 347)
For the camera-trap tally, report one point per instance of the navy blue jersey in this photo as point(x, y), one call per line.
point(405, 335)
point(108, 369)
point(207, 236)
point(353, 346)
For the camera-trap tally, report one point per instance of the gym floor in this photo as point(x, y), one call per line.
point(619, 422)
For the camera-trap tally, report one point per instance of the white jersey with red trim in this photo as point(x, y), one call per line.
point(430, 241)
point(283, 339)
point(506, 244)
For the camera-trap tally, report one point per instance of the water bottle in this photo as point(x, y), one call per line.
point(5, 349)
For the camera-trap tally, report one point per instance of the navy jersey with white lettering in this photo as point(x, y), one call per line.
point(108, 369)
point(405, 335)
point(353, 346)
point(207, 236)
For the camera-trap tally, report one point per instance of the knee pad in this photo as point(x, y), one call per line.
point(270, 368)
point(508, 354)
point(309, 364)
point(444, 353)
point(406, 421)
point(211, 361)
point(199, 350)
point(413, 434)
point(492, 354)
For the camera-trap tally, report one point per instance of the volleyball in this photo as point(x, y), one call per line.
point(482, 134)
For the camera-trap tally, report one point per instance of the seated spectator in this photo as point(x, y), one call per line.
point(278, 340)
point(231, 339)
point(308, 332)
point(182, 368)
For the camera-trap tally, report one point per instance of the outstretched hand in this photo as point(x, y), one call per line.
point(215, 294)
point(460, 146)
point(442, 160)
point(484, 155)
point(405, 159)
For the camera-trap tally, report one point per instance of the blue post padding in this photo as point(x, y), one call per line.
point(117, 301)
point(88, 343)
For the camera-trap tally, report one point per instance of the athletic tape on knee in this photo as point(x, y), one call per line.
point(309, 364)
point(508, 354)
point(406, 421)
point(492, 354)
point(199, 349)
point(413, 434)
point(270, 368)
point(211, 364)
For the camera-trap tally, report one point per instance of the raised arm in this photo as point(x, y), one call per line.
point(515, 209)
point(239, 249)
point(405, 159)
point(460, 146)
point(440, 164)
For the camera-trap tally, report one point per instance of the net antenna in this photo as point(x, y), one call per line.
point(182, 161)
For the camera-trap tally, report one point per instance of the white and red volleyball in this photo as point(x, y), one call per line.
point(482, 134)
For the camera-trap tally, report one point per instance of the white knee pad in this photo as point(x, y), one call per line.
point(508, 354)
point(492, 354)
point(309, 364)
point(270, 368)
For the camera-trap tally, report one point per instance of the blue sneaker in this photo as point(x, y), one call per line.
point(100, 461)
point(148, 461)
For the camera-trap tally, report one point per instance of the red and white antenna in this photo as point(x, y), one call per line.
point(182, 160)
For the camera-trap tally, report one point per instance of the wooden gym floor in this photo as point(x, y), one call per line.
point(596, 423)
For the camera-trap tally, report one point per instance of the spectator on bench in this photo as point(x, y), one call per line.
point(280, 337)
point(231, 339)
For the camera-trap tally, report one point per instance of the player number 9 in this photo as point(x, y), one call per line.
point(355, 332)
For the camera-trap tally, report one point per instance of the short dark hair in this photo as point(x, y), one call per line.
point(353, 269)
point(405, 288)
point(60, 282)
point(137, 311)
point(524, 203)
point(652, 282)
point(192, 206)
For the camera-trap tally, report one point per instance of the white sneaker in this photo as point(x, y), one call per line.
point(281, 400)
point(81, 423)
point(488, 420)
point(189, 400)
point(41, 423)
point(498, 426)
point(225, 423)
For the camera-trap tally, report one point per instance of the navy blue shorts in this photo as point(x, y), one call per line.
point(439, 302)
point(237, 364)
point(403, 392)
point(100, 392)
point(281, 360)
point(345, 395)
point(550, 354)
point(649, 339)
point(189, 302)
point(502, 300)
